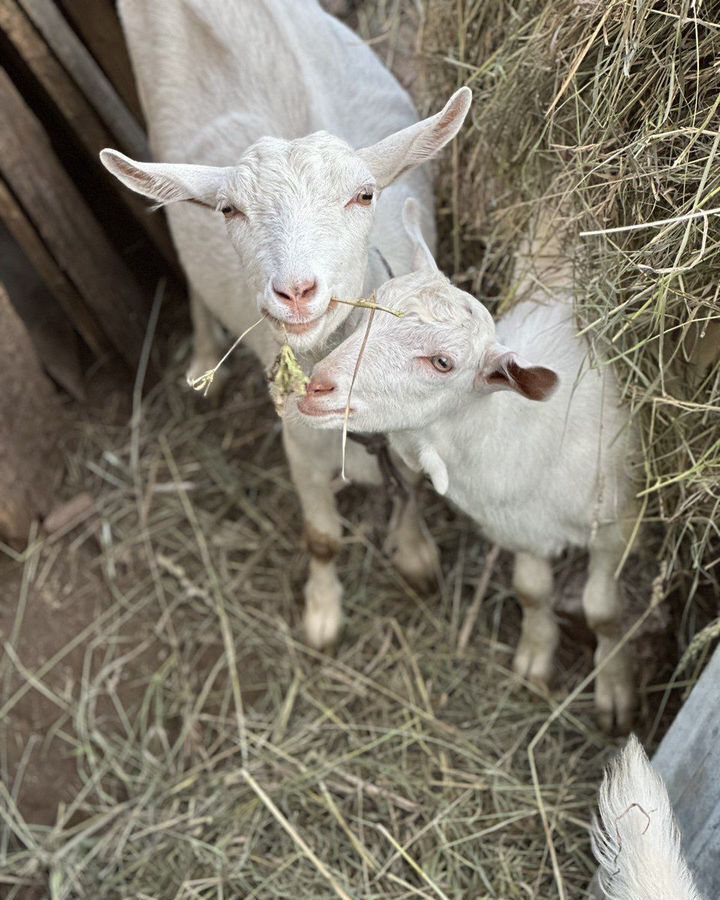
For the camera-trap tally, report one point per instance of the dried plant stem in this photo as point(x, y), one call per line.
point(371, 304)
point(204, 381)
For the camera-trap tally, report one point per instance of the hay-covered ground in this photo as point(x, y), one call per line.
point(154, 679)
point(200, 749)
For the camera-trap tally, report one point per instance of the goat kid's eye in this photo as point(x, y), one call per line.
point(441, 364)
point(363, 197)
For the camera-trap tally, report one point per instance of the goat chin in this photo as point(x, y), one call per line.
point(637, 841)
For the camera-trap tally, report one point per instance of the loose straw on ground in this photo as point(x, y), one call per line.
point(302, 844)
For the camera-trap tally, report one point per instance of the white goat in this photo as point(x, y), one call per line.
point(279, 216)
point(538, 477)
point(637, 842)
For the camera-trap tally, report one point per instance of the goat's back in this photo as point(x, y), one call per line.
point(248, 68)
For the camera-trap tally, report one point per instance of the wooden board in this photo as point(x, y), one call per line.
point(97, 24)
point(87, 75)
point(87, 126)
point(689, 760)
point(31, 422)
point(59, 215)
point(51, 274)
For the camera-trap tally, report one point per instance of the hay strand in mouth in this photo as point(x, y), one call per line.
point(371, 304)
point(204, 382)
point(346, 414)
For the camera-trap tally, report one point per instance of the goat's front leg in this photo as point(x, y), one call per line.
point(614, 685)
point(533, 582)
point(312, 469)
point(409, 543)
point(206, 350)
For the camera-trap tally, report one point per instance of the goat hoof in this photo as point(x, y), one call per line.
point(615, 706)
point(533, 664)
point(323, 615)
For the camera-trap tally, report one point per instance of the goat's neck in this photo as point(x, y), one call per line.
point(480, 434)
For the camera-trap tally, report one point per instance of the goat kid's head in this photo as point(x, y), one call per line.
point(420, 367)
point(299, 212)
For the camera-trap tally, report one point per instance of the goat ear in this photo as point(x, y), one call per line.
point(402, 151)
point(502, 370)
point(423, 258)
point(166, 182)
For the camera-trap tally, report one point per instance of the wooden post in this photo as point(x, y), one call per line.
point(97, 23)
point(31, 420)
point(68, 230)
point(689, 761)
point(88, 127)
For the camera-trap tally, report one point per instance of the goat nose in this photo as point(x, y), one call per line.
point(296, 291)
point(320, 384)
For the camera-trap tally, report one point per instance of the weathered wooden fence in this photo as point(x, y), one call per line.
point(67, 91)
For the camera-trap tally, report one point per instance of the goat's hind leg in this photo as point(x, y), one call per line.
point(409, 544)
point(602, 603)
point(533, 582)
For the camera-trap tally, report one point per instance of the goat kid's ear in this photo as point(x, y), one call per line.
point(502, 370)
point(166, 182)
point(423, 258)
point(402, 151)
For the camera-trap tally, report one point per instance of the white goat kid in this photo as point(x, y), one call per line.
point(268, 216)
point(538, 477)
point(636, 841)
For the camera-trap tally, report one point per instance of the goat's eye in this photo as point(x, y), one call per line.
point(441, 363)
point(364, 197)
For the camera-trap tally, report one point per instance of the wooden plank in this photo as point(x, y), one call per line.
point(97, 24)
point(87, 74)
point(89, 130)
point(53, 277)
point(31, 422)
point(67, 227)
point(689, 760)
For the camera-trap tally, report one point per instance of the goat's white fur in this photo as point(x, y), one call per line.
point(258, 106)
point(538, 477)
point(636, 842)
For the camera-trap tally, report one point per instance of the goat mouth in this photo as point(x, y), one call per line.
point(301, 327)
point(306, 408)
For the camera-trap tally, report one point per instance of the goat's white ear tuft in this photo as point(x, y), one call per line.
point(503, 370)
point(423, 258)
point(166, 182)
point(402, 151)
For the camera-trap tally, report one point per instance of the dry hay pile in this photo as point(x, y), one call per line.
point(606, 112)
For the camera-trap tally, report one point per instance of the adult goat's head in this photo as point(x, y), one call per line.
point(299, 212)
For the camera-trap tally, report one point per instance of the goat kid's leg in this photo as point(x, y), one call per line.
point(312, 475)
point(614, 685)
point(409, 544)
point(533, 582)
point(206, 351)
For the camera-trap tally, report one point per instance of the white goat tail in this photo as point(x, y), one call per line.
point(637, 841)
